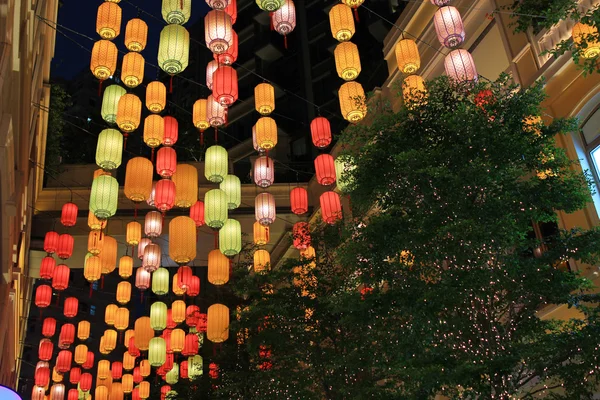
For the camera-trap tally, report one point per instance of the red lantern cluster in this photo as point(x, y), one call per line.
point(299, 200)
point(68, 216)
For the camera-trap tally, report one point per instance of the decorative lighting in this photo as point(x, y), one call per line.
point(264, 98)
point(200, 115)
point(460, 67)
point(352, 102)
point(110, 101)
point(230, 55)
point(160, 284)
point(342, 22)
point(136, 35)
point(269, 5)
point(123, 292)
point(132, 70)
point(449, 27)
point(232, 187)
point(153, 224)
point(215, 208)
point(299, 200)
point(65, 246)
point(51, 242)
point(197, 213)
point(582, 32)
point(211, 67)
point(174, 48)
point(218, 323)
point(156, 97)
point(231, 10)
point(218, 268)
point(407, 56)
point(166, 162)
point(108, 20)
point(264, 172)
point(109, 150)
point(301, 235)
point(331, 208)
point(216, 112)
point(47, 267)
point(225, 85)
point(104, 196)
point(264, 208)
point(104, 59)
point(216, 164)
point(320, 131)
point(158, 315)
point(129, 112)
point(68, 214)
point(325, 169)
point(171, 131)
point(266, 133)
point(262, 261)
point(165, 195)
point(133, 233)
point(284, 19)
point(230, 238)
point(125, 267)
point(413, 89)
point(138, 179)
point(347, 61)
point(176, 11)
point(217, 31)
point(92, 270)
point(186, 184)
point(182, 239)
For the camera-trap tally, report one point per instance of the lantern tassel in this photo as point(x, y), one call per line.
point(271, 21)
point(285, 42)
point(171, 85)
point(356, 14)
point(102, 283)
point(100, 88)
point(152, 156)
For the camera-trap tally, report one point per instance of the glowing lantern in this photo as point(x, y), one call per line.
point(63, 361)
point(116, 391)
point(128, 359)
point(211, 67)
point(133, 233)
point(95, 242)
point(183, 367)
point(129, 112)
point(266, 133)
point(195, 366)
point(407, 56)
point(413, 89)
point(284, 19)
point(217, 31)
point(75, 374)
point(264, 98)
point(191, 345)
point(101, 393)
point(66, 336)
point(225, 85)
point(270, 5)
point(142, 279)
point(45, 350)
point(93, 222)
point(320, 131)
point(110, 313)
point(201, 327)
point(194, 287)
point(42, 376)
point(176, 11)
point(158, 315)
point(186, 184)
point(230, 55)
point(110, 101)
point(47, 267)
point(103, 369)
point(152, 256)
point(182, 239)
point(81, 354)
point(217, 4)
point(264, 172)
point(83, 330)
point(261, 234)
point(231, 10)
point(232, 187)
point(166, 162)
point(132, 70)
point(178, 291)
point(262, 261)
point(123, 292)
point(38, 393)
point(215, 208)
point(200, 116)
point(60, 279)
point(57, 392)
point(264, 208)
point(48, 328)
point(331, 208)
point(125, 267)
point(108, 256)
point(109, 150)
point(171, 131)
point(352, 102)
point(587, 34)
point(164, 195)
point(218, 323)
point(136, 35)
point(43, 296)
point(342, 23)
point(173, 49)
point(197, 213)
point(301, 235)
point(142, 245)
point(71, 307)
point(325, 169)
point(299, 200)
point(347, 61)
point(230, 238)
point(157, 353)
point(154, 130)
point(104, 59)
point(138, 179)
point(459, 66)
point(143, 333)
point(216, 163)
point(145, 368)
point(122, 319)
point(184, 276)
point(178, 339)
point(51, 242)
point(172, 376)
point(216, 112)
point(160, 282)
point(218, 268)
point(68, 215)
point(178, 311)
point(127, 383)
point(110, 337)
point(108, 20)
point(65, 246)
point(191, 315)
point(89, 363)
point(449, 27)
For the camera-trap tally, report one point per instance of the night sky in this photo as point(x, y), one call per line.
point(80, 16)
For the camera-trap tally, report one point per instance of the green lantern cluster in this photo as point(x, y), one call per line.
point(215, 208)
point(104, 196)
point(110, 103)
point(173, 375)
point(109, 150)
point(230, 238)
point(216, 164)
point(232, 187)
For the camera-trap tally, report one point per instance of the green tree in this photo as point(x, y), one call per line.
point(59, 102)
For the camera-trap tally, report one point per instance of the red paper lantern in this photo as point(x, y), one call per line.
point(68, 215)
point(135, 394)
point(331, 208)
point(231, 10)
point(225, 85)
point(194, 289)
point(191, 315)
point(190, 347)
point(164, 197)
point(202, 322)
point(166, 388)
point(42, 376)
point(89, 362)
point(213, 370)
point(51, 242)
point(60, 279)
point(167, 336)
point(49, 327)
point(137, 375)
point(65, 246)
point(325, 169)
point(43, 296)
point(197, 213)
point(299, 200)
point(63, 361)
point(169, 362)
point(170, 323)
point(184, 276)
point(183, 368)
point(45, 350)
point(116, 370)
point(73, 394)
point(47, 267)
point(66, 336)
point(320, 131)
point(75, 375)
point(231, 54)
point(166, 162)
point(85, 383)
point(171, 131)
point(142, 279)
point(301, 235)
point(132, 349)
point(71, 307)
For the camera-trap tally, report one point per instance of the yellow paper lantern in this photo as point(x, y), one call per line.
point(216, 163)
point(182, 239)
point(589, 34)
point(176, 11)
point(122, 319)
point(128, 361)
point(133, 233)
point(174, 49)
point(109, 150)
point(127, 383)
point(108, 20)
point(158, 315)
point(200, 115)
point(352, 102)
point(123, 292)
point(261, 234)
point(217, 330)
point(215, 208)
point(116, 391)
point(232, 187)
point(136, 35)
point(132, 70)
point(145, 368)
point(81, 351)
point(342, 22)
point(129, 112)
point(262, 261)
point(407, 56)
point(186, 184)
point(172, 376)
point(108, 255)
point(156, 98)
point(138, 179)
point(110, 336)
point(103, 62)
point(347, 61)
point(154, 130)
point(230, 238)
point(218, 268)
point(143, 333)
point(157, 353)
point(413, 89)
point(83, 330)
point(125, 267)
point(110, 313)
point(266, 133)
point(92, 270)
point(103, 369)
point(178, 311)
point(101, 393)
point(110, 102)
point(175, 288)
point(160, 281)
point(264, 98)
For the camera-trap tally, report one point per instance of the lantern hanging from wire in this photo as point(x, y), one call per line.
point(133, 233)
point(160, 282)
point(325, 169)
point(165, 195)
point(331, 208)
point(266, 133)
point(255, 145)
point(352, 102)
point(178, 311)
point(217, 31)
point(60, 279)
point(63, 361)
point(171, 131)
point(216, 163)
point(194, 288)
point(143, 333)
point(156, 97)
point(136, 35)
point(449, 27)
point(260, 234)
point(141, 246)
point(51, 242)
point(129, 112)
point(341, 22)
point(157, 352)
point(218, 267)
point(232, 187)
point(216, 112)
point(68, 215)
point(177, 291)
point(125, 267)
point(215, 208)
point(45, 350)
point(200, 115)
point(83, 330)
point(225, 85)
point(230, 55)
point(284, 19)
point(110, 312)
point(407, 56)
point(154, 131)
point(172, 376)
point(217, 4)
point(264, 98)
point(197, 213)
point(174, 48)
point(587, 34)
point(121, 319)
point(94, 223)
point(116, 370)
point(320, 131)
point(184, 276)
point(152, 256)
point(47, 267)
point(103, 62)
point(104, 197)
point(299, 200)
point(110, 102)
point(71, 307)
point(262, 261)
point(186, 185)
point(182, 239)
point(195, 366)
point(49, 327)
point(158, 315)
point(43, 296)
point(264, 172)
point(230, 238)
point(264, 208)
point(123, 292)
point(66, 336)
point(142, 279)
point(460, 67)
point(108, 255)
point(176, 11)
point(138, 179)
point(218, 323)
point(132, 69)
point(109, 150)
point(347, 61)
point(166, 162)
point(57, 391)
point(108, 20)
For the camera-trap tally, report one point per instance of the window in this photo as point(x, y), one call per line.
point(587, 145)
point(92, 310)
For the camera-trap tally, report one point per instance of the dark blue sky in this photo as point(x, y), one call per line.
point(70, 59)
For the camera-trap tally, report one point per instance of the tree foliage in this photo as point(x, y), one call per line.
point(59, 102)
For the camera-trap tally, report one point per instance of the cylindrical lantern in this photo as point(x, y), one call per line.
point(81, 354)
point(60, 279)
point(331, 208)
point(325, 169)
point(133, 233)
point(143, 333)
point(582, 32)
point(157, 353)
point(71, 307)
point(138, 179)
point(231, 10)
point(215, 208)
point(158, 315)
point(352, 102)
point(413, 89)
point(301, 235)
point(260, 234)
point(153, 224)
point(101, 393)
point(178, 311)
point(49, 327)
point(172, 376)
point(142, 279)
point(182, 239)
point(197, 213)
point(89, 363)
point(83, 330)
point(320, 131)
point(109, 150)
point(125, 267)
point(127, 383)
point(45, 350)
point(63, 361)
point(217, 113)
point(178, 339)
point(230, 55)
point(152, 257)
point(103, 369)
point(65, 246)
point(154, 130)
point(129, 112)
point(66, 336)
point(449, 27)
point(230, 238)
point(218, 268)
point(217, 31)
point(108, 20)
point(184, 276)
point(93, 222)
point(156, 98)
point(232, 187)
point(200, 115)
point(266, 133)
point(186, 185)
point(47, 267)
point(57, 391)
point(116, 370)
point(299, 200)
point(166, 162)
point(136, 35)
point(178, 291)
point(194, 288)
point(262, 261)
point(216, 163)
point(108, 256)
point(174, 48)
point(75, 374)
point(270, 5)
point(460, 67)
point(110, 102)
point(225, 85)
point(51, 242)
point(264, 208)
point(104, 59)
point(217, 4)
point(43, 296)
point(128, 359)
point(407, 56)
point(110, 313)
point(218, 323)
point(195, 366)
point(95, 242)
point(264, 171)
point(191, 345)
point(171, 131)
point(68, 215)
point(342, 22)
point(132, 69)
point(347, 61)
point(123, 292)
point(264, 98)
point(160, 281)
point(142, 245)
point(284, 19)
point(176, 12)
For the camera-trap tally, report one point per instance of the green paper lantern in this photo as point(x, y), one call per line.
point(215, 208)
point(195, 367)
point(176, 11)
point(157, 351)
point(160, 282)
point(270, 5)
point(158, 314)
point(230, 238)
point(343, 166)
point(109, 150)
point(110, 103)
point(173, 49)
point(173, 375)
point(104, 196)
point(232, 187)
point(216, 163)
